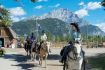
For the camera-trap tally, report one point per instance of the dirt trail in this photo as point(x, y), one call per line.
point(15, 59)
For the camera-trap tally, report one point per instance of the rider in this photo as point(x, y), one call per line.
point(32, 37)
point(43, 37)
point(75, 37)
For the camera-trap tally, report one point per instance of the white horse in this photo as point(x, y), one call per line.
point(49, 44)
point(80, 54)
point(75, 61)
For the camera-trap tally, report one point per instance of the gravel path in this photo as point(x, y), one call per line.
point(16, 59)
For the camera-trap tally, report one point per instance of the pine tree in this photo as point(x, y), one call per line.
point(5, 19)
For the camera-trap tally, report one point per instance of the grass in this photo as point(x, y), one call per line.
point(98, 62)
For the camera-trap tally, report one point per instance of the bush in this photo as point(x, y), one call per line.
point(2, 51)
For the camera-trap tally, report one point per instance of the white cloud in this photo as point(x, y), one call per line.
point(16, 19)
point(93, 5)
point(42, 0)
point(1, 6)
point(82, 12)
point(81, 3)
point(17, 11)
point(39, 7)
point(55, 6)
point(86, 8)
point(101, 26)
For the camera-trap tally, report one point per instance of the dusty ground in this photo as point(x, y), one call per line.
point(16, 59)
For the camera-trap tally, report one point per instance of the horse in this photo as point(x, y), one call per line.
point(34, 50)
point(49, 44)
point(75, 58)
point(41, 50)
point(43, 53)
point(27, 47)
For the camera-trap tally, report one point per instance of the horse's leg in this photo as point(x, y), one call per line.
point(64, 66)
point(80, 63)
point(45, 61)
point(27, 53)
point(83, 65)
point(34, 56)
point(30, 52)
point(39, 60)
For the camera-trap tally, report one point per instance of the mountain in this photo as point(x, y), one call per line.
point(51, 25)
point(91, 30)
point(61, 14)
point(56, 23)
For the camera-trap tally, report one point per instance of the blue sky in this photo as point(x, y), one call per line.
point(89, 10)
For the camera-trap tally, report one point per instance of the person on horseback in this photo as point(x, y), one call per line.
point(75, 37)
point(32, 38)
point(43, 37)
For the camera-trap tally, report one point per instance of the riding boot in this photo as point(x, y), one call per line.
point(63, 58)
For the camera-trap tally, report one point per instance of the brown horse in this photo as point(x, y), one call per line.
point(43, 53)
point(40, 50)
point(27, 47)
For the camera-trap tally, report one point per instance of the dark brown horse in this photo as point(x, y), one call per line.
point(27, 47)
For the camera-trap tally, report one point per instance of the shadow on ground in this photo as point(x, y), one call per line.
point(97, 62)
point(16, 57)
point(54, 57)
point(21, 60)
point(25, 66)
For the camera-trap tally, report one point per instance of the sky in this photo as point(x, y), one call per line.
point(90, 10)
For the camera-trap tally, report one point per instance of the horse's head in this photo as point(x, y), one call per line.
point(78, 47)
point(48, 44)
